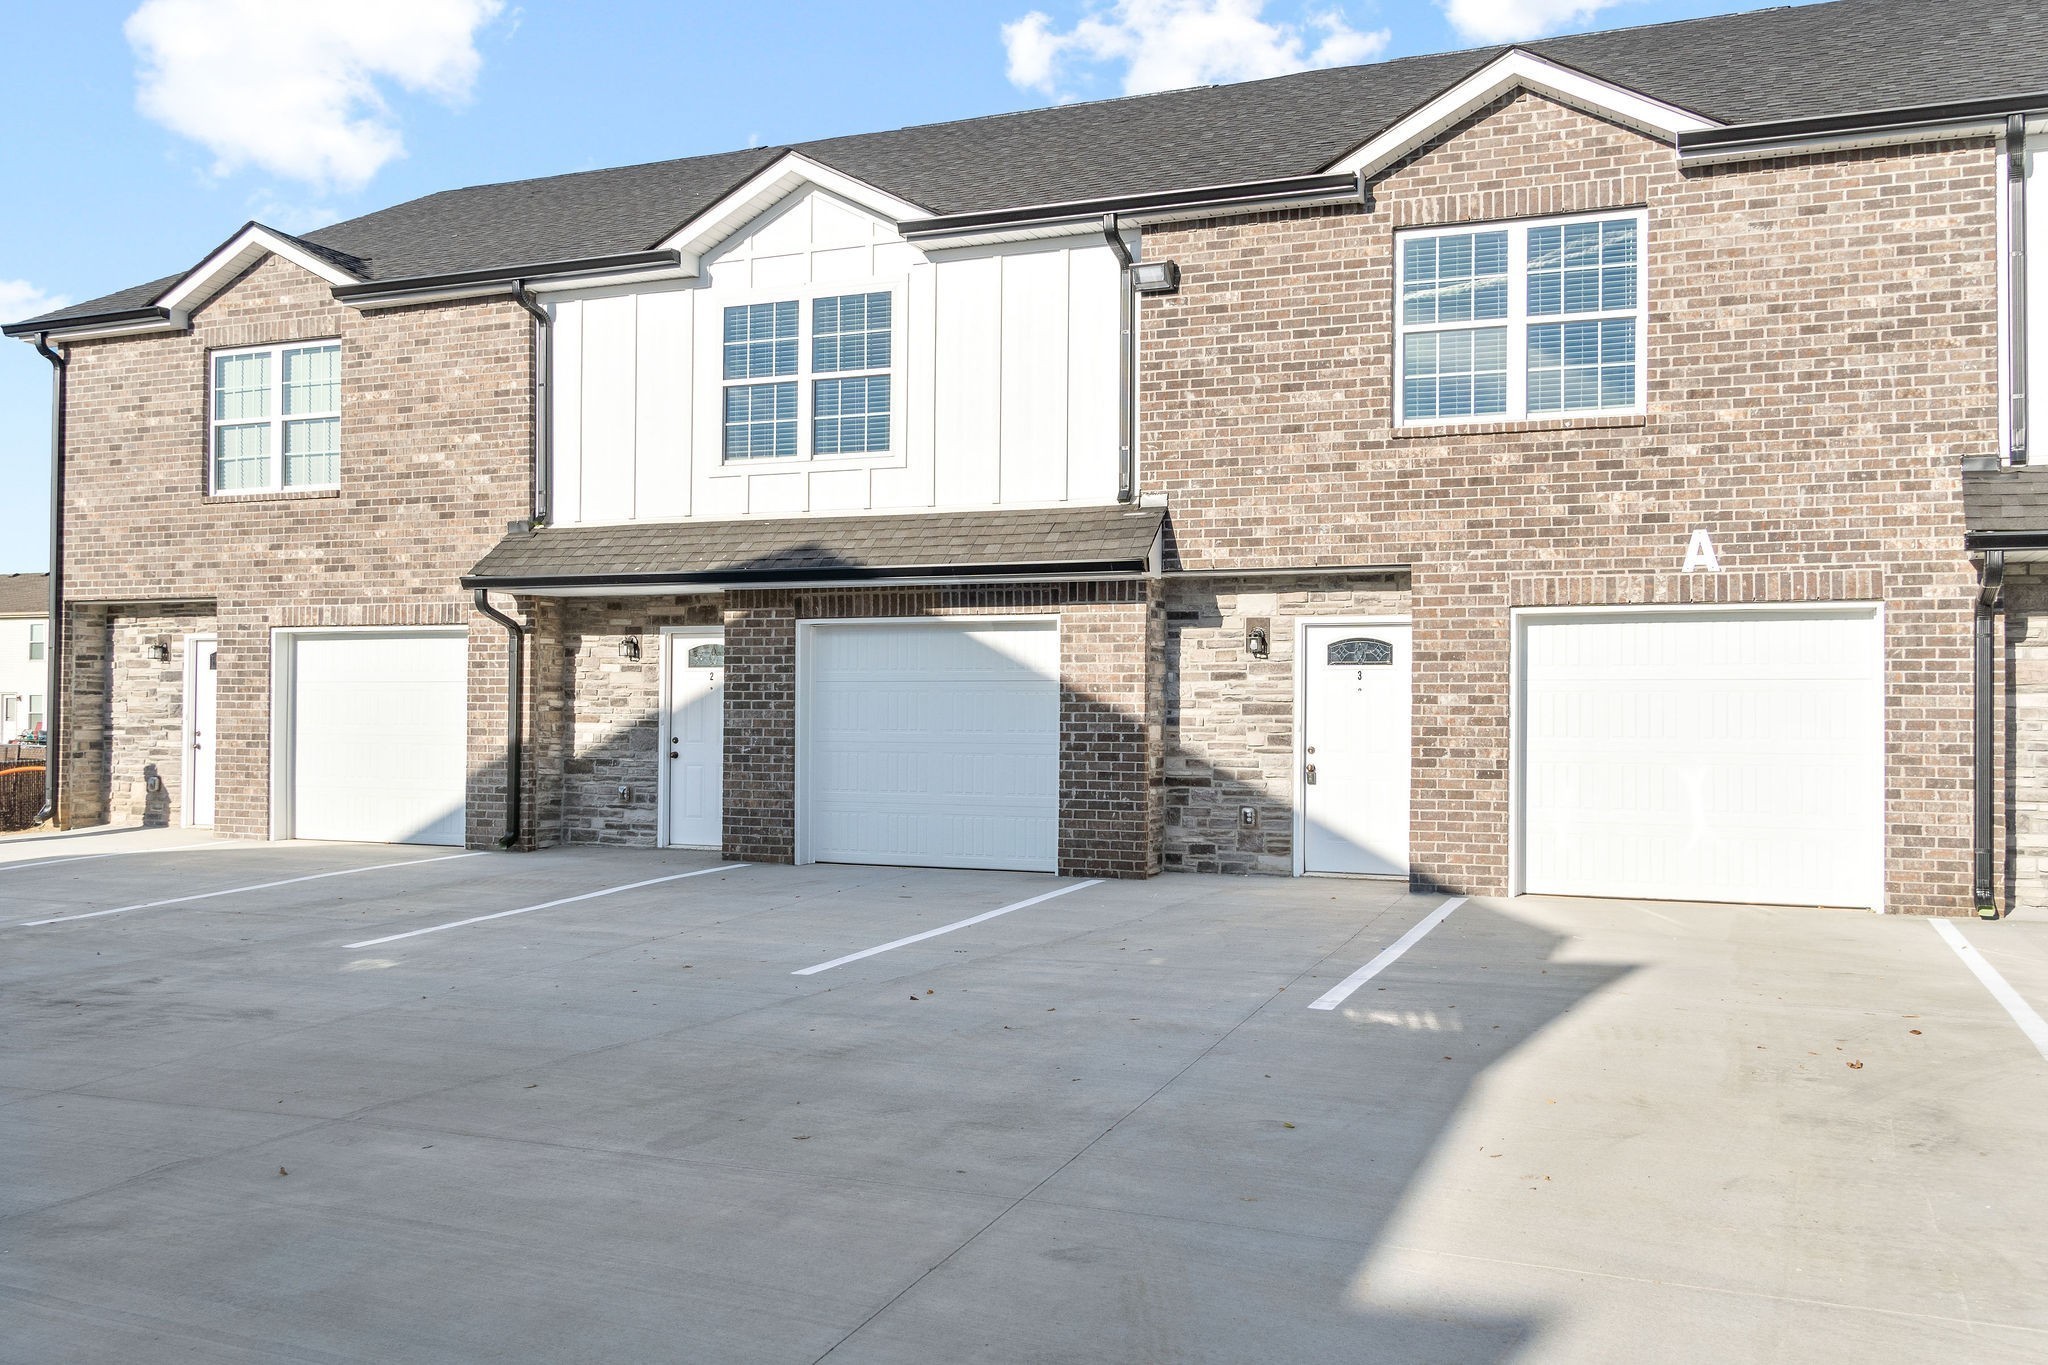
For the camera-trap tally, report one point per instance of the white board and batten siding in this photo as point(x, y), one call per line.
point(1710, 755)
point(1005, 377)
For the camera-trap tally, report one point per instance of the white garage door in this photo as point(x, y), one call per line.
point(931, 744)
point(377, 736)
point(1714, 756)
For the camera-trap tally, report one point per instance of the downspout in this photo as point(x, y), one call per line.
point(514, 759)
point(1126, 363)
point(1991, 579)
point(543, 403)
point(2016, 280)
point(53, 704)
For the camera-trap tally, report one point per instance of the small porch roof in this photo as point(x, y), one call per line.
point(920, 547)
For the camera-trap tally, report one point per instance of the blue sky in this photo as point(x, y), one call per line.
point(137, 135)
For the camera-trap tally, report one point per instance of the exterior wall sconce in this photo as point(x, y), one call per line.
point(1257, 641)
point(159, 652)
point(1155, 277)
point(629, 648)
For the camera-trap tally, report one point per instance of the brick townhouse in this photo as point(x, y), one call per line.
point(1597, 466)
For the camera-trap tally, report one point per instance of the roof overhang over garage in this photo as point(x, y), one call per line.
point(661, 558)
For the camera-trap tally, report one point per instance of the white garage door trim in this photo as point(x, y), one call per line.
point(805, 658)
point(283, 696)
point(1870, 612)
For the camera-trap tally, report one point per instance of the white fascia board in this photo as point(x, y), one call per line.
point(1520, 70)
point(770, 186)
point(1819, 143)
point(236, 255)
point(178, 321)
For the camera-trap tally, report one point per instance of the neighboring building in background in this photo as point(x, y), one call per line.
point(1531, 469)
point(24, 657)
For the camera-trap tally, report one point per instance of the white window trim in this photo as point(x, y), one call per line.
point(276, 419)
point(38, 638)
point(1517, 322)
point(805, 378)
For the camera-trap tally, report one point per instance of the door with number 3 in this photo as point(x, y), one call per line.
point(1356, 696)
point(693, 762)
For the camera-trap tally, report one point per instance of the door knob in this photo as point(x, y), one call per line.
point(673, 754)
point(1310, 774)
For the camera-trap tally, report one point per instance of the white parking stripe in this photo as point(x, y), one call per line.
point(545, 905)
point(121, 853)
point(1341, 992)
point(239, 890)
point(2022, 1013)
point(943, 929)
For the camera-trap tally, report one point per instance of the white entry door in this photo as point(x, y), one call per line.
point(377, 741)
point(1709, 755)
point(1356, 693)
point(931, 743)
point(202, 693)
point(693, 773)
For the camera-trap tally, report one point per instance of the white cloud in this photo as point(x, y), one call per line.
point(297, 89)
point(286, 216)
point(1507, 21)
point(1171, 44)
point(19, 299)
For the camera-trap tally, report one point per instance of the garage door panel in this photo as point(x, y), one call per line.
point(933, 744)
point(1710, 756)
point(379, 737)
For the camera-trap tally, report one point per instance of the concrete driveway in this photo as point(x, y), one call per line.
point(336, 1103)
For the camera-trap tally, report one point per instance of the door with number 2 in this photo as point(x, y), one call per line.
point(1356, 695)
point(693, 718)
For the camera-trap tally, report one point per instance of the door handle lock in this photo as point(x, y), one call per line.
point(673, 754)
point(1309, 773)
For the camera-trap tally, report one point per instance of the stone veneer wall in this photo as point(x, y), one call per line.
point(1230, 718)
point(129, 723)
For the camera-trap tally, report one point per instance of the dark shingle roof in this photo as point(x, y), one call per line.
point(24, 594)
point(2003, 501)
point(1849, 56)
point(1103, 538)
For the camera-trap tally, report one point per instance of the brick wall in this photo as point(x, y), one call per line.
point(1821, 358)
point(1111, 728)
point(436, 442)
point(1230, 718)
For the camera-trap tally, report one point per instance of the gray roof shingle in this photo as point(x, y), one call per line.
point(2004, 501)
point(1849, 56)
point(24, 594)
point(769, 550)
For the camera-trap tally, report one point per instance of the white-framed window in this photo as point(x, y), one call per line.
point(35, 712)
point(808, 376)
point(36, 637)
point(1506, 321)
point(276, 418)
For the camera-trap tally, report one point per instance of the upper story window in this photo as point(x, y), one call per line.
point(1521, 320)
point(276, 418)
point(809, 376)
point(35, 639)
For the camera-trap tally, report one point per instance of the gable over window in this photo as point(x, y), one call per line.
point(275, 418)
point(827, 365)
point(1519, 320)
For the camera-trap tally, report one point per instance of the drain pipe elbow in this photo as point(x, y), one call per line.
point(515, 634)
point(1126, 363)
point(53, 654)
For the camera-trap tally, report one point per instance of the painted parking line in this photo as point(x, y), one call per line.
point(944, 928)
point(242, 890)
point(1341, 992)
point(544, 905)
point(121, 853)
point(2022, 1013)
